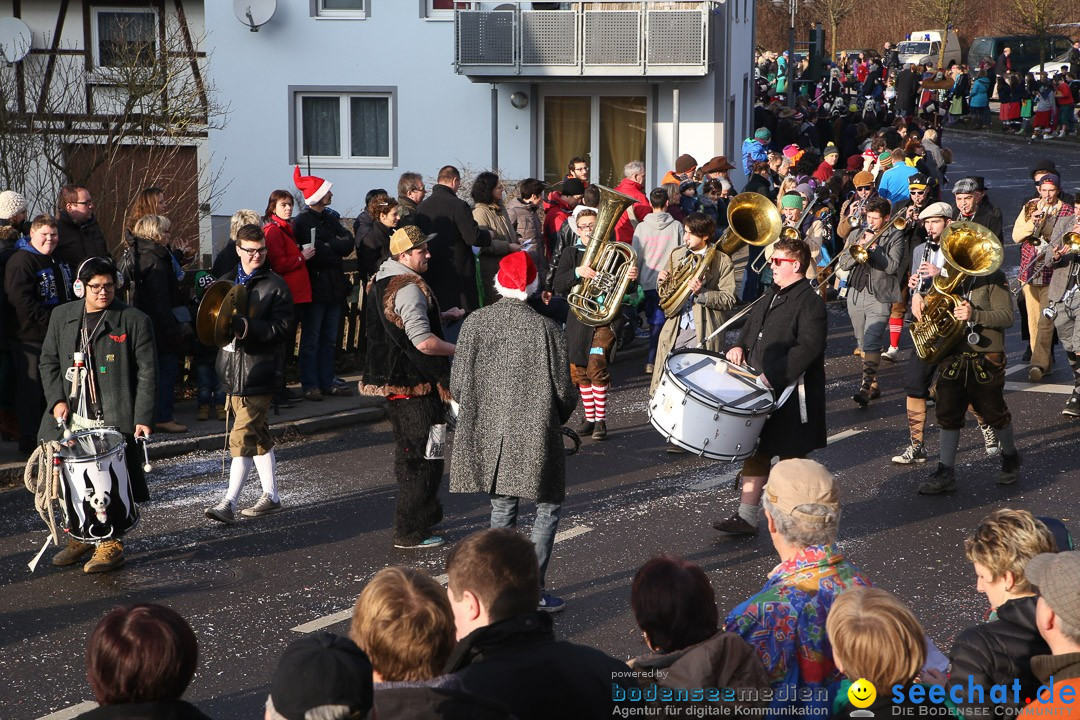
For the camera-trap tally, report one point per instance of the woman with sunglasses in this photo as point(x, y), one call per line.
point(784, 341)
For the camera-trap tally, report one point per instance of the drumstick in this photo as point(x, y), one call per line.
point(734, 370)
point(147, 467)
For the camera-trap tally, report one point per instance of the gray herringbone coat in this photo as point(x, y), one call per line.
point(511, 377)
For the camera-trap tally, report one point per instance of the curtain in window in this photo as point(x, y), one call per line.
point(321, 126)
point(342, 4)
point(567, 129)
point(370, 126)
point(623, 121)
point(126, 39)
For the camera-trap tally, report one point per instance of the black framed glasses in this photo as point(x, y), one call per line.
point(253, 252)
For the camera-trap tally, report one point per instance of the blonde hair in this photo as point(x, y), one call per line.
point(152, 227)
point(404, 623)
point(241, 218)
point(1005, 540)
point(875, 636)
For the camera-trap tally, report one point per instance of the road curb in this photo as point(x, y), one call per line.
point(1016, 139)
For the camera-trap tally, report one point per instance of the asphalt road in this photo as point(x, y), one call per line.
point(247, 589)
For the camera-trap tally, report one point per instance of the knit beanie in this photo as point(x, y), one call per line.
point(762, 134)
point(11, 204)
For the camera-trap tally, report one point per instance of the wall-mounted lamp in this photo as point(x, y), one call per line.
point(519, 100)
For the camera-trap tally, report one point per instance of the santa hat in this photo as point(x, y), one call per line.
point(313, 188)
point(517, 276)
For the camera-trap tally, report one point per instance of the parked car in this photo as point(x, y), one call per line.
point(924, 46)
point(1025, 50)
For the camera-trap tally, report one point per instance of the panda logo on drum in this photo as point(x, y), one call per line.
point(98, 503)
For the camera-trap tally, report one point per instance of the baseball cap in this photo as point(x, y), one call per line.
point(918, 181)
point(798, 482)
point(326, 671)
point(407, 238)
point(1056, 576)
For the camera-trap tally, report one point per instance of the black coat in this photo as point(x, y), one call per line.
point(579, 336)
point(79, 241)
point(34, 284)
point(784, 343)
point(518, 662)
point(156, 291)
point(986, 215)
point(397, 702)
point(761, 186)
point(905, 90)
point(1000, 651)
point(160, 710)
point(332, 243)
point(256, 365)
point(373, 249)
point(452, 269)
point(226, 261)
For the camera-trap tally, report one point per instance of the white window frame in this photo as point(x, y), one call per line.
point(321, 13)
point(344, 95)
point(427, 12)
point(95, 38)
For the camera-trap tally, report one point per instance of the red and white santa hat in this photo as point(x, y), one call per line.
point(517, 277)
point(313, 188)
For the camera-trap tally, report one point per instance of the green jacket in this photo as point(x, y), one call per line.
point(125, 365)
point(993, 313)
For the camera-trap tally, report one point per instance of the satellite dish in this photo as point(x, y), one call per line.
point(254, 13)
point(15, 39)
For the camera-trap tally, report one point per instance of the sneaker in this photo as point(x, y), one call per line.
point(338, 391)
point(71, 554)
point(550, 603)
point(222, 512)
point(170, 427)
point(600, 431)
point(429, 542)
point(942, 481)
point(915, 453)
point(892, 354)
point(586, 428)
point(1035, 374)
point(203, 414)
point(1010, 469)
point(735, 525)
point(221, 414)
point(1072, 408)
point(264, 506)
point(990, 441)
point(314, 395)
point(109, 555)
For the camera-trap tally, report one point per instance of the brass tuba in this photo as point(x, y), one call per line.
point(752, 220)
point(597, 301)
point(675, 288)
point(970, 250)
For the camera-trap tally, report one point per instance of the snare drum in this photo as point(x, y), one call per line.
point(711, 407)
point(97, 502)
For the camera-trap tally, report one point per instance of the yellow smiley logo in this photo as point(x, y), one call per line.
point(862, 693)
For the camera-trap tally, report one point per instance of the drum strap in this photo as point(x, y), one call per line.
point(41, 476)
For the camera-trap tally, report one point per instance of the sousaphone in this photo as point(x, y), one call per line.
point(221, 303)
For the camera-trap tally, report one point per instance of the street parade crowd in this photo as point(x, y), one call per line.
point(500, 318)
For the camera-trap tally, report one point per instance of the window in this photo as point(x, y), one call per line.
point(349, 128)
point(340, 9)
point(124, 37)
point(442, 9)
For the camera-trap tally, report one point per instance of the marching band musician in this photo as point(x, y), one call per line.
point(873, 286)
point(973, 205)
point(1034, 226)
point(710, 296)
point(920, 190)
point(811, 229)
point(783, 339)
point(117, 342)
point(853, 211)
point(974, 373)
point(589, 347)
point(1064, 299)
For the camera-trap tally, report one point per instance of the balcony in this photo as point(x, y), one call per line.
point(628, 40)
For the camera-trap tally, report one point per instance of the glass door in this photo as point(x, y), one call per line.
point(607, 130)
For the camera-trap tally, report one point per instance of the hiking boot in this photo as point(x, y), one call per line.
point(942, 481)
point(314, 395)
point(109, 555)
point(264, 506)
point(1010, 469)
point(735, 525)
point(915, 453)
point(1035, 374)
point(586, 428)
point(221, 415)
point(170, 426)
point(429, 542)
point(892, 354)
point(990, 441)
point(600, 431)
point(550, 603)
point(71, 554)
point(222, 512)
point(204, 413)
point(1072, 407)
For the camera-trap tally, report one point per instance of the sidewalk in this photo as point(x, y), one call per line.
point(304, 417)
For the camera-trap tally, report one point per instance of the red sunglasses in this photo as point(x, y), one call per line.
point(778, 261)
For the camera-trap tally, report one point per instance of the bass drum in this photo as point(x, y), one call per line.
point(96, 488)
point(710, 406)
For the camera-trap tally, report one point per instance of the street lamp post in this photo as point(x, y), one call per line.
point(793, 7)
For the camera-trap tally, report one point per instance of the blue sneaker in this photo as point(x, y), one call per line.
point(550, 603)
point(429, 542)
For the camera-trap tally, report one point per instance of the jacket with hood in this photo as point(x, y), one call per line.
point(753, 151)
point(654, 239)
point(34, 284)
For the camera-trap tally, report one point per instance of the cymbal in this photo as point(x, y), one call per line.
point(235, 304)
point(206, 318)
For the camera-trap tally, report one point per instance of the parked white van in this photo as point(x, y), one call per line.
point(924, 46)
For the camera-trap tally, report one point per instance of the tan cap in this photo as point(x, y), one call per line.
point(1056, 576)
point(798, 482)
point(938, 209)
point(406, 238)
point(862, 179)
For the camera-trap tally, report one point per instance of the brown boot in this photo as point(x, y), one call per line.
point(221, 414)
point(109, 555)
point(204, 413)
point(71, 554)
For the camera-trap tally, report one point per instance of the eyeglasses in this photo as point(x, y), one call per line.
point(81, 202)
point(583, 228)
point(252, 252)
point(101, 287)
point(778, 261)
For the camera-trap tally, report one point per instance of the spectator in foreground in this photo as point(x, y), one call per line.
point(506, 648)
point(675, 607)
point(403, 622)
point(785, 620)
point(140, 660)
point(1057, 580)
point(321, 677)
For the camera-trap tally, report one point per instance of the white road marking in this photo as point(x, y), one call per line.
point(334, 618)
point(71, 712)
point(843, 435)
point(1052, 388)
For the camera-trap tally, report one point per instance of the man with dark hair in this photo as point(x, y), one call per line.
point(81, 236)
point(364, 222)
point(411, 192)
point(252, 369)
point(654, 239)
point(578, 167)
point(507, 650)
point(1056, 577)
point(525, 217)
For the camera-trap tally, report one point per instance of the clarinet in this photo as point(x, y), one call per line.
point(925, 283)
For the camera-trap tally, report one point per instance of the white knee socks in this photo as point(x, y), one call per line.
point(267, 465)
point(238, 473)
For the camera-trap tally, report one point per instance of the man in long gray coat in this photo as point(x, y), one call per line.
point(511, 377)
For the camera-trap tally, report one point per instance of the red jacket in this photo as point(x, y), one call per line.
point(624, 229)
point(824, 172)
point(285, 259)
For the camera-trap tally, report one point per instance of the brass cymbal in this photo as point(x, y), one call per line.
point(235, 304)
point(209, 307)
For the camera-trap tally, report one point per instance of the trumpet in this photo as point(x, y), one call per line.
point(1034, 211)
point(1070, 240)
point(861, 253)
